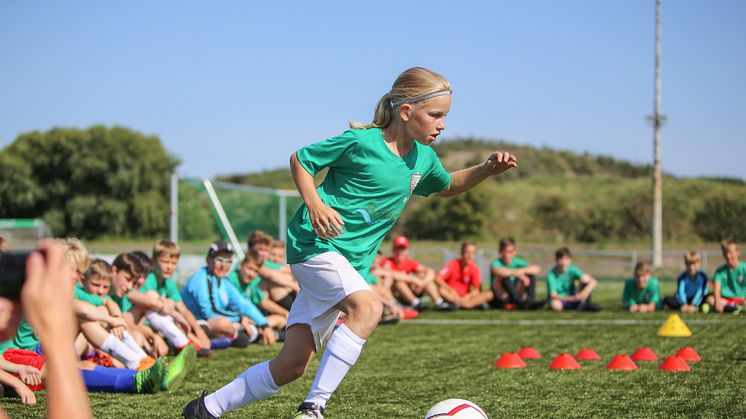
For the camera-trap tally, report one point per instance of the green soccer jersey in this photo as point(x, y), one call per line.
point(124, 303)
point(369, 186)
point(732, 281)
point(83, 295)
point(633, 295)
point(563, 284)
point(250, 290)
point(25, 338)
point(514, 264)
point(166, 289)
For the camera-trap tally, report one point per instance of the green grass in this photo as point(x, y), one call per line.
point(407, 368)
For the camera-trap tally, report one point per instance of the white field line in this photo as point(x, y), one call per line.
point(560, 322)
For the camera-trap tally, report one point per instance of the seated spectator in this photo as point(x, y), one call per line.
point(277, 252)
point(212, 298)
point(460, 281)
point(691, 286)
point(729, 280)
point(278, 280)
point(248, 282)
point(561, 287)
point(513, 280)
point(642, 293)
point(3, 245)
point(415, 279)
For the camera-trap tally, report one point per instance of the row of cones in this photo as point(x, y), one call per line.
point(619, 362)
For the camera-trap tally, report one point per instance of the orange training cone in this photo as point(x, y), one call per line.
point(644, 354)
point(529, 353)
point(564, 362)
point(621, 362)
point(510, 360)
point(687, 353)
point(587, 355)
point(674, 363)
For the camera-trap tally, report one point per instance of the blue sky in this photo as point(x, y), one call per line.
point(238, 86)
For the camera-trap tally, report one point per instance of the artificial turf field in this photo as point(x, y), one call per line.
point(406, 368)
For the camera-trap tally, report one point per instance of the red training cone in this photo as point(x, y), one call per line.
point(687, 353)
point(621, 362)
point(587, 355)
point(529, 353)
point(644, 354)
point(674, 363)
point(564, 362)
point(510, 360)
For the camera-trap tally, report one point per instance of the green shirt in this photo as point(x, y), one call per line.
point(167, 288)
point(369, 186)
point(25, 338)
point(124, 303)
point(83, 295)
point(514, 264)
point(250, 290)
point(732, 281)
point(563, 284)
point(633, 296)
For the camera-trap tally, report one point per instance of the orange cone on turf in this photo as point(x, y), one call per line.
point(674, 327)
point(644, 354)
point(587, 355)
point(687, 353)
point(529, 353)
point(564, 362)
point(621, 362)
point(674, 363)
point(510, 360)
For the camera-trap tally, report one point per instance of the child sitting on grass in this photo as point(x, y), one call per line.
point(248, 282)
point(561, 285)
point(691, 286)
point(642, 293)
point(729, 280)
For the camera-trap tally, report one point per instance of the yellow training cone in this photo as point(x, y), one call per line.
point(674, 327)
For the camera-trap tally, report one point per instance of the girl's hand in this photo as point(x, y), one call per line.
point(326, 222)
point(499, 162)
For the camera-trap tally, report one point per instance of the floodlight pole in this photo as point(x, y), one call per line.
point(657, 120)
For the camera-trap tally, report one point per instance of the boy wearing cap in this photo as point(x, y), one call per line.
point(413, 278)
point(213, 298)
point(642, 294)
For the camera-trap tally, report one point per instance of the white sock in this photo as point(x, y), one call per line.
point(254, 384)
point(440, 301)
point(341, 354)
point(120, 351)
point(166, 325)
point(130, 342)
point(415, 302)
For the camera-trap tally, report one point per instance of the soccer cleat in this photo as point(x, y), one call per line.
point(592, 307)
point(420, 306)
point(145, 363)
point(444, 306)
point(179, 368)
point(196, 409)
point(204, 353)
point(309, 411)
point(149, 380)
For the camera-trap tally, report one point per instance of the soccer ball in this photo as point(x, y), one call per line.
point(455, 408)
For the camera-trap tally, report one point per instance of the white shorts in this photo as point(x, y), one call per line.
point(324, 281)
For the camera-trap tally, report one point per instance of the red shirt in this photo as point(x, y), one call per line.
point(407, 265)
point(460, 277)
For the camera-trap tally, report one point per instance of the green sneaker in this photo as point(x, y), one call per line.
point(149, 380)
point(179, 367)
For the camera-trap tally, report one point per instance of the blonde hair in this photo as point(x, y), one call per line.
point(727, 244)
point(691, 257)
point(76, 252)
point(166, 247)
point(278, 244)
point(101, 269)
point(410, 87)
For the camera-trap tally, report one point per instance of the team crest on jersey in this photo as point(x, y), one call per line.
point(414, 181)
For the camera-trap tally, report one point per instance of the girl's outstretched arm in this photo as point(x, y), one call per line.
point(463, 180)
point(326, 222)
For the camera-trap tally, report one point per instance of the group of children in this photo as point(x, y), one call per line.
point(138, 332)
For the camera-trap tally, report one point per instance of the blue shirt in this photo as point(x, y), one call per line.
point(691, 290)
point(208, 297)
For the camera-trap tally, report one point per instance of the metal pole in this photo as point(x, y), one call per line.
point(224, 219)
point(283, 227)
point(657, 178)
point(174, 214)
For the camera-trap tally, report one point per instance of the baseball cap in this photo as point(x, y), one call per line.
point(219, 246)
point(401, 241)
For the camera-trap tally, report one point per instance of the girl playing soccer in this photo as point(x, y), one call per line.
point(374, 169)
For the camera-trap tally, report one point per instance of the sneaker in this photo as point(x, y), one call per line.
point(729, 309)
point(196, 409)
point(420, 306)
point(146, 363)
point(309, 411)
point(149, 380)
point(179, 368)
point(204, 353)
point(281, 335)
point(241, 340)
point(592, 307)
point(444, 306)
